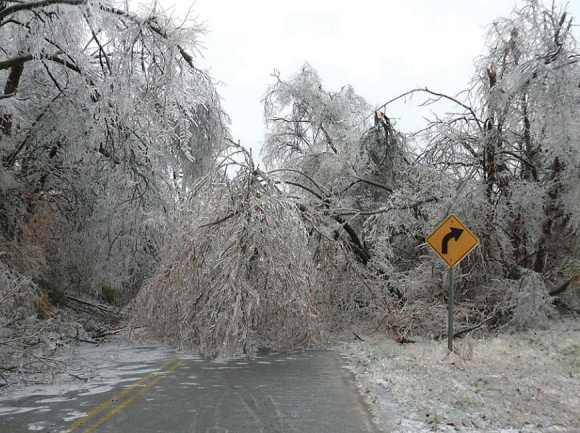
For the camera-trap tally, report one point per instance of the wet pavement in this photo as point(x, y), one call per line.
point(276, 392)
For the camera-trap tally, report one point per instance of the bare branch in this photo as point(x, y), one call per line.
point(438, 95)
point(35, 5)
point(321, 188)
point(373, 183)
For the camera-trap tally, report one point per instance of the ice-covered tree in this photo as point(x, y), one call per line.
point(105, 119)
point(236, 271)
point(354, 178)
point(512, 154)
point(529, 87)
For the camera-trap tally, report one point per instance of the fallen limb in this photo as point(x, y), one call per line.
point(8, 367)
point(76, 376)
point(46, 361)
point(574, 279)
point(559, 303)
point(108, 332)
point(403, 340)
point(463, 331)
point(99, 307)
point(83, 340)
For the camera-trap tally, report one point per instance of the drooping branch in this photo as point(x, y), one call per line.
point(153, 26)
point(134, 18)
point(322, 189)
point(221, 220)
point(381, 210)
point(373, 183)
point(328, 139)
point(305, 188)
point(102, 52)
point(20, 60)
point(358, 247)
point(27, 6)
point(10, 159)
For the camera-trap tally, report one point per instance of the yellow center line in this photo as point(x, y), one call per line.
point(129, 400)
point(117, 397)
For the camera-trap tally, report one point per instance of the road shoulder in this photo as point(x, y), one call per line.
point(519, 381)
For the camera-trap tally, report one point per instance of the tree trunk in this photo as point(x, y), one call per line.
point(550, 210)
point(11, 88)
point(489, 170)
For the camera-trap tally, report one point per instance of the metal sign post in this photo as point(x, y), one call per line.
point(452, 253)
point(450, 312)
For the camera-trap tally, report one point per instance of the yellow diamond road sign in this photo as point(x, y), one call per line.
point(452, 241)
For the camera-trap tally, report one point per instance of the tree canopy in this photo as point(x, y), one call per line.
point(119, 179)
point(105, 123)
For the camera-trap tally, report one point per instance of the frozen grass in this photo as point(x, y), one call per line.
point(524, 381)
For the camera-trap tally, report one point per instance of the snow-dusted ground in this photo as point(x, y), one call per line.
point(89, 370)
point(513, 382)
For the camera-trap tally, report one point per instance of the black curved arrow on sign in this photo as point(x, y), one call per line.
point(455, 233)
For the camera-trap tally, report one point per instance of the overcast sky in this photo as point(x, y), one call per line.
point(382, 48)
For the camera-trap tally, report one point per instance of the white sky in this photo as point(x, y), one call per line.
point(382, 48)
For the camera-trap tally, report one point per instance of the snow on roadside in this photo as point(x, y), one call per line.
point(519, 382)
point(89, 370)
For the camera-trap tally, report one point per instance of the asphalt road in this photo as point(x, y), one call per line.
point(297, 392)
